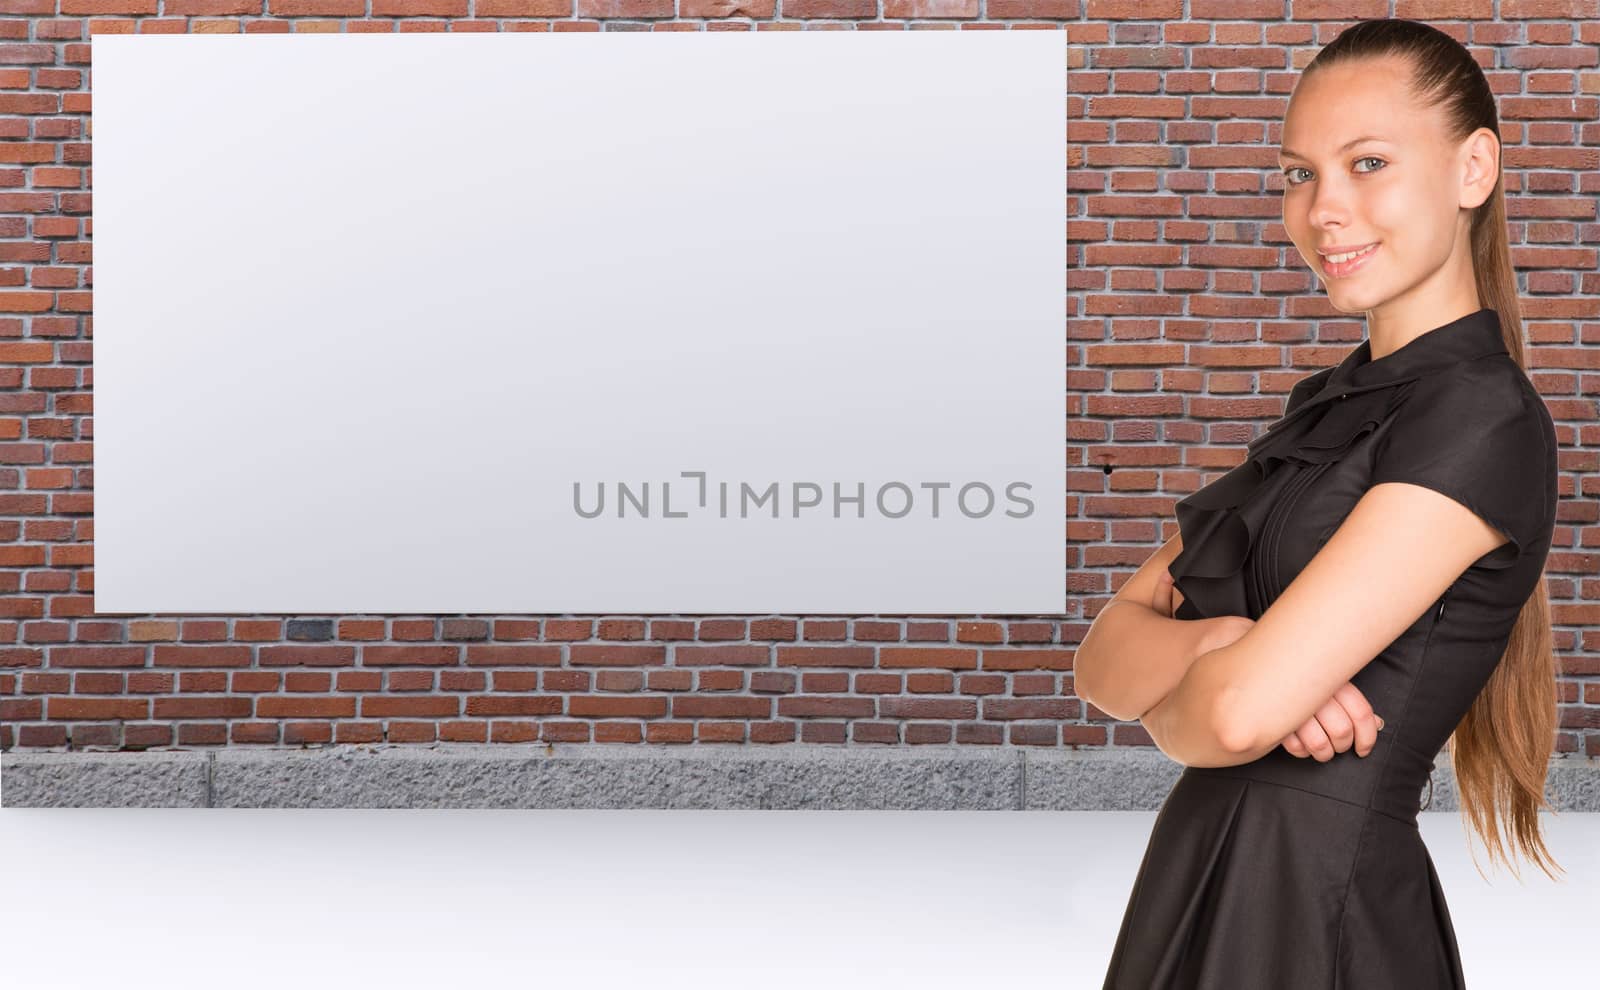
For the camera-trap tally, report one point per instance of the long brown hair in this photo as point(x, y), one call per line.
point(1501, 749)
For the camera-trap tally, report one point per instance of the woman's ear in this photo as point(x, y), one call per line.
point(1482, 150)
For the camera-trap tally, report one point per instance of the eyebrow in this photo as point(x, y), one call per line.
point(1286, 153)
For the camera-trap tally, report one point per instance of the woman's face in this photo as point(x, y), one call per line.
point(1367, 170)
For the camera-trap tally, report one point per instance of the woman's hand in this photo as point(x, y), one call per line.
point(1345, 720)
point(1167, 597)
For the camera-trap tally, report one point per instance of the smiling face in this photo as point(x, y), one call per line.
point(1368, 168)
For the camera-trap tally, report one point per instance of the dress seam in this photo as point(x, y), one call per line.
point(1213, 772)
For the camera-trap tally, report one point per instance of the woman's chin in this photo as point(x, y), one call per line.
point(1346, 299)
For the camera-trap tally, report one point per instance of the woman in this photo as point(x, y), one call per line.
point(1367, 585)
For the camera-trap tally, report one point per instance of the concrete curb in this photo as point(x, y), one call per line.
point(613, 776)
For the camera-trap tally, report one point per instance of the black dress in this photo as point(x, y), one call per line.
point(1288, 872)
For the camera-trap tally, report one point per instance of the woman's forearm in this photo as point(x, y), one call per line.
point(1186, 724)
point(1133, 656)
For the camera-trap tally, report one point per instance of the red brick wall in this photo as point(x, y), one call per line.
point(1172, 206)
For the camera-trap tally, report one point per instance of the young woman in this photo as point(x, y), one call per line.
point(1367, 585)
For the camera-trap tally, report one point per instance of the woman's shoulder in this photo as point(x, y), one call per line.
point(1479, 432)
point(1490, 389)
point(1479, 426)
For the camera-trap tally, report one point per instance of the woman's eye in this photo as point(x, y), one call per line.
point(1289, 173)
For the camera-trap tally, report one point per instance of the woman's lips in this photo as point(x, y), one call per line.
point(1341, 269)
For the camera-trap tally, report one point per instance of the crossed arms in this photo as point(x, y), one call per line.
point(1223, 691)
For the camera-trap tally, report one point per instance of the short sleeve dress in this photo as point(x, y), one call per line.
point(1288, 872)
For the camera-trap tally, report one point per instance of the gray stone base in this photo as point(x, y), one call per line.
point(608, 776)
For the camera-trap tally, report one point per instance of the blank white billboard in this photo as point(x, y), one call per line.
point(691, 323)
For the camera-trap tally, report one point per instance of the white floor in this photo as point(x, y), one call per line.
point(196, 898)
